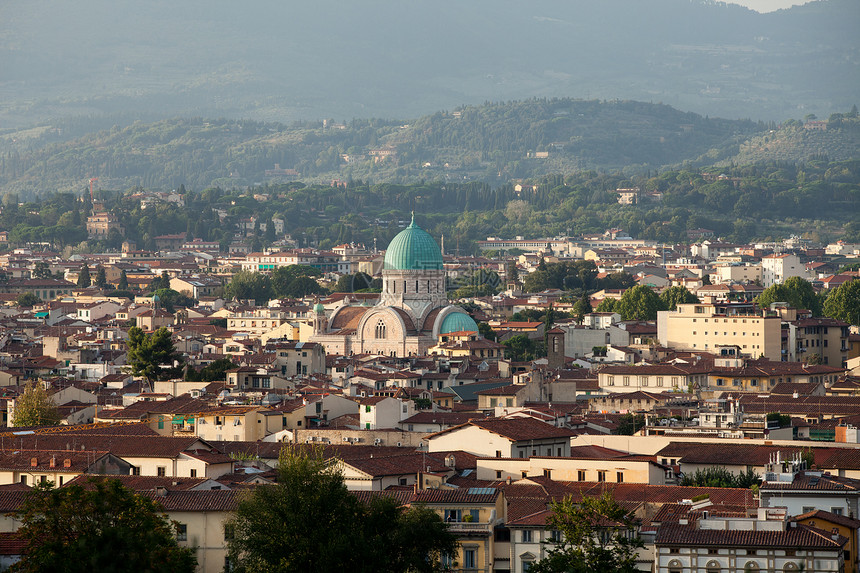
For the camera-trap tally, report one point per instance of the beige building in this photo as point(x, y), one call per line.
point(775, 269)
point(621, 468)
point(706, 327)
point(736, 273)
point(99, 225)
point(503, 438)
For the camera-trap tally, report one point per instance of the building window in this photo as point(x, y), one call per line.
point(713, 567)
point(580, 475)
point(161, 471)
point(380, 329)
point(527, 535)
point(751, 567)
point(601, 476)
point(194, 472)
point(469, 558)
point(181, 532)
point(619, 477)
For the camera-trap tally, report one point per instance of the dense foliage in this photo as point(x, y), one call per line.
point(35, 408)
point(100, 526)
point(642, 303)
point(309, 522)
point(596, 534)
point(718, 476)
point(152, 355)
point(763, 201)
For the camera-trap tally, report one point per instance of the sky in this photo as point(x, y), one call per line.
point(767, 5)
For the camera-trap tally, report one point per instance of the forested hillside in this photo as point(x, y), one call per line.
point(491, 143)
point(817, 199)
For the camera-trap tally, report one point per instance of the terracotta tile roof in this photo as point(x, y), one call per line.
point(11, 544)
point(77, 461)
point(800, 537)
point(459, 495)
point(842, 520)
point(347, 317)
point(744, 454)
point(143, 483)
point(810, 482)
point(448, 418)
point(516, 429)
point(411, 463)
point(209, 500)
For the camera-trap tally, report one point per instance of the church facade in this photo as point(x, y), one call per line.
point(412, 311)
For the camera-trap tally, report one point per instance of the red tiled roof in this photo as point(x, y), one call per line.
point(800, 537)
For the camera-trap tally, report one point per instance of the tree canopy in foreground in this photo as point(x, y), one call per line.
point(103, 527)
point(595, 534)
point(309, 522)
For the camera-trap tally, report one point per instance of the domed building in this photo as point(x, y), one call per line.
point(412, 311)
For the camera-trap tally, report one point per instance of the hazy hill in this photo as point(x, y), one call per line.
point(281, 61)
point(491, 142)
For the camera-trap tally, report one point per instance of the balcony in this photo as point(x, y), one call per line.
point(470, 527)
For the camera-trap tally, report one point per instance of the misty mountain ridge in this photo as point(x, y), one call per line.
point(273, 61)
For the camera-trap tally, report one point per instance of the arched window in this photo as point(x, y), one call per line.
point(380, 329)
point(675, 566)
point(751, 567)
point(790, 568)
point(713, 567)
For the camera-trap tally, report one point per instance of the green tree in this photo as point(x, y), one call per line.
point(844, 303)
point(520, 348)
point(215, 371)
point(607, 305)
point(718, 476)
point(160, 282)
point(84, 279)
point(486, 331)
point(597, 535)
point(582, 307)
point(302, 286)
point(629, 424)
point(102, 526)
point(282, 277)
point(639, 303)
point(512, 272)
point(795, 291)
point(352, 283)
point(27, 299)
point(35, 408)
point(101, 277)
point(309, 522)
point(673, 296)
point(123, 280)
point(152, 355)
point(247, 285)
point(42, 270)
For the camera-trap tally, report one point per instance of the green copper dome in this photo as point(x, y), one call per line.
point(319, 308)
point(458, 322)
point(413, 249)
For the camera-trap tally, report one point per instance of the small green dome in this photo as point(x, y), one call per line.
point(413, 249)
point(458, 322)
point(319, 308)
